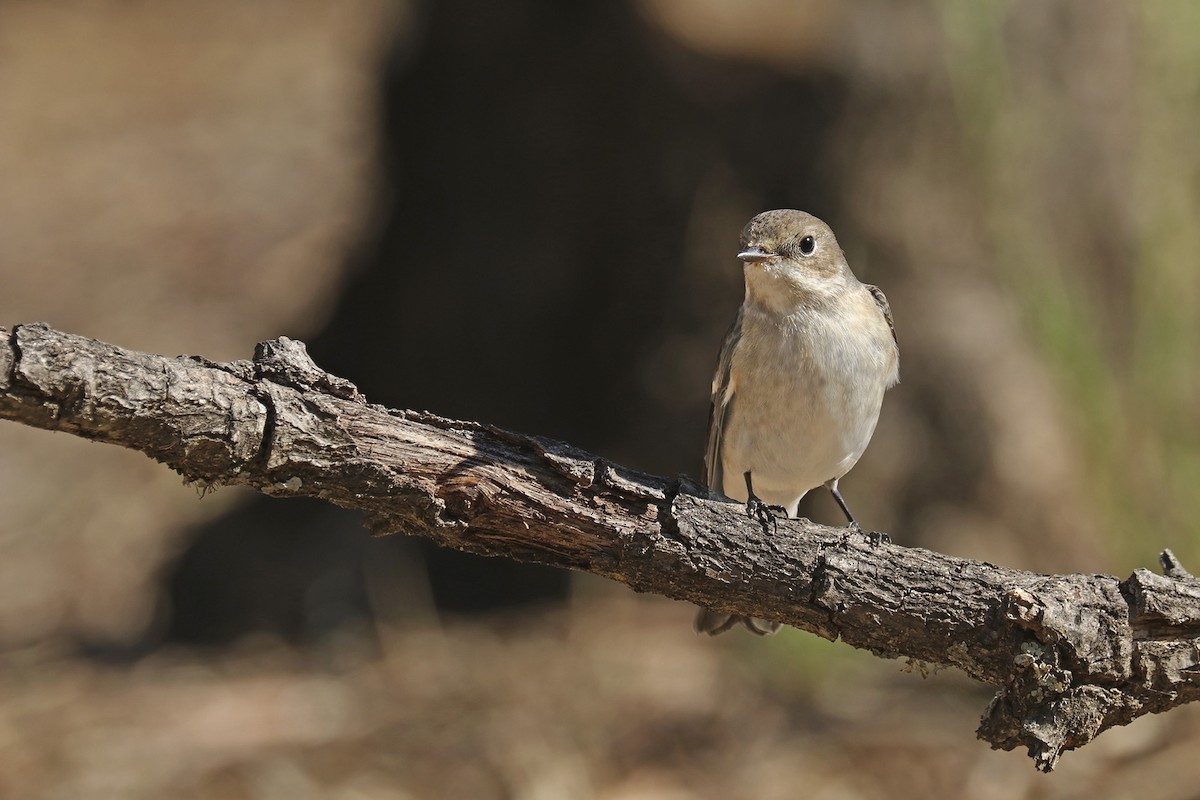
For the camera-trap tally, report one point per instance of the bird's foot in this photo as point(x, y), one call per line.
point(765, 514)
point(874, 538)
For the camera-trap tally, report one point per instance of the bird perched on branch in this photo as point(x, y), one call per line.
point(800, 379)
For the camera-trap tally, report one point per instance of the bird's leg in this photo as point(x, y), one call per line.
point(837, 495)
point(757, 509)
point(876, 538)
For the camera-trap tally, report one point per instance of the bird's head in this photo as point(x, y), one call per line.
point(791, 257)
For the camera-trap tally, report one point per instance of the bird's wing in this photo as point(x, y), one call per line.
point(722, 403)
point(881, 301)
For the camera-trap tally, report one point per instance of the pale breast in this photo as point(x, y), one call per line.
point(806, 397)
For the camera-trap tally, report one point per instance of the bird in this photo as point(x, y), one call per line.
point(800, 379)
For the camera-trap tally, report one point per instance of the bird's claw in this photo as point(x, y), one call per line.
point(874, 538)
point(765, 514)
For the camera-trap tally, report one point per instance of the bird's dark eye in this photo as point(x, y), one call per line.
point(807, 245)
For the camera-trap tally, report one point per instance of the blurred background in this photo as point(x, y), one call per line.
point(526, 213)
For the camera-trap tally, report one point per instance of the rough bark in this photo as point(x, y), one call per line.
point(1071, 655)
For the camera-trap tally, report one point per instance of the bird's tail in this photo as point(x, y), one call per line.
point(714, 622)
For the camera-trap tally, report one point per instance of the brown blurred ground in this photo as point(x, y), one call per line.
point(620, 703)
point(192, 178)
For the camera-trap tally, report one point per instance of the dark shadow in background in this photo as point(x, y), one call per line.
point(539, 164)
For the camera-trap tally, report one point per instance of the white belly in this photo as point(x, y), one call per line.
point(803, 410)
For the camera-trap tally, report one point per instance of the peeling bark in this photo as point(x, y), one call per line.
point(1071, 655)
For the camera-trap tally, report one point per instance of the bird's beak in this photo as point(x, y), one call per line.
point(755, 255)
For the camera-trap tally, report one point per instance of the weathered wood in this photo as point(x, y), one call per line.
point(1072, 655)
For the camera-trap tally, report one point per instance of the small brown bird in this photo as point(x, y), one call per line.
point(800, 379)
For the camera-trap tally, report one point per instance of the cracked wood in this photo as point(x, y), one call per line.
point(1071, 655)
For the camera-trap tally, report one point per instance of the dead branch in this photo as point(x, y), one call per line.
point(1072, 655)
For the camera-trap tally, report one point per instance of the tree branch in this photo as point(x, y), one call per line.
point(1072, 655)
